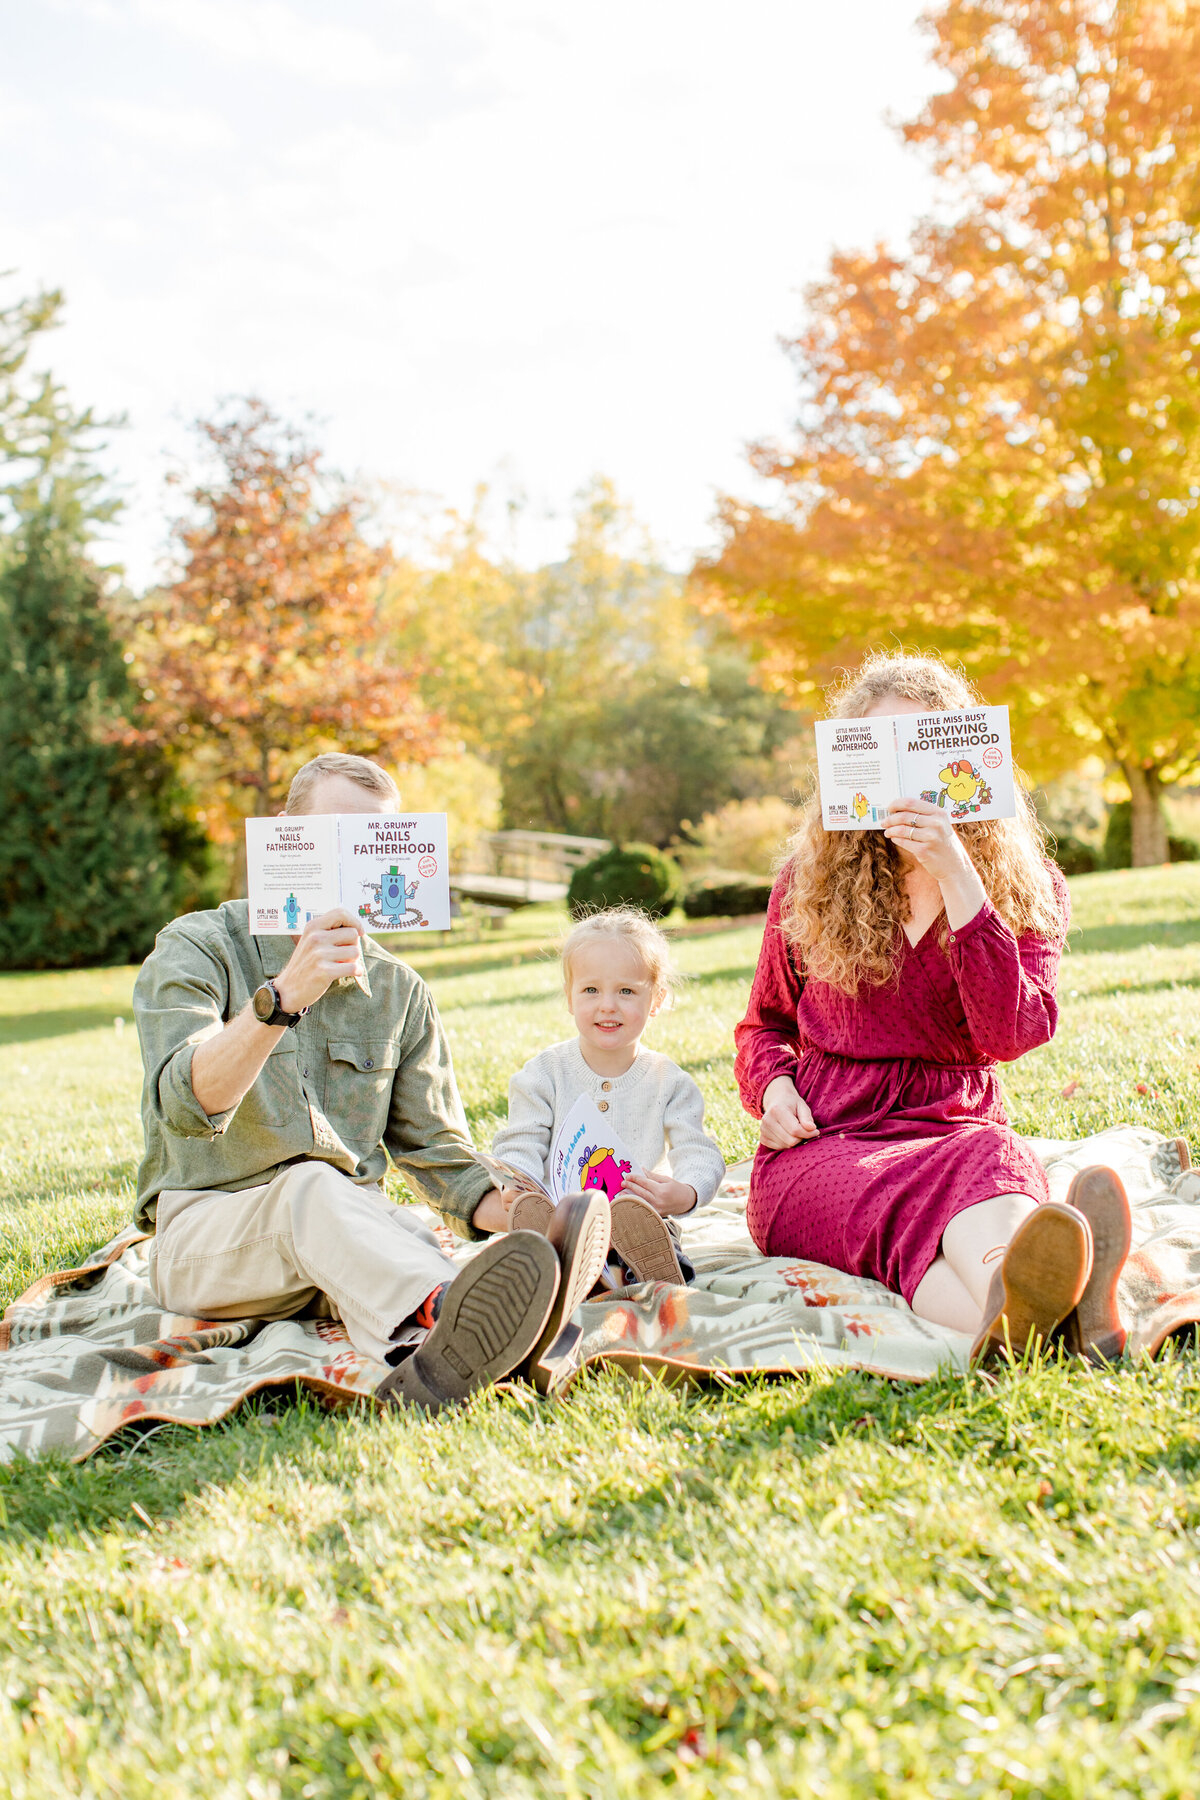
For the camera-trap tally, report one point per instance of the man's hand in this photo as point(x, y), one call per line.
point(786, 1119)
point(662, 1193)
point(328, 948)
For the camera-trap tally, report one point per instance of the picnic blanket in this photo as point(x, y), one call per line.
point(88, 1352)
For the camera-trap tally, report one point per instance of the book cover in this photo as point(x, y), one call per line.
point(587, 1153)
point(291, 867)
point(390, 869)
point(395, 869)
point(961, 761)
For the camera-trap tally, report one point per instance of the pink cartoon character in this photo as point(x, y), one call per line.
point(599, 1168)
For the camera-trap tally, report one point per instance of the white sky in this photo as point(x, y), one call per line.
point(518, 241)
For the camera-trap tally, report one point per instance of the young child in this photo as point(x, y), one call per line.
point(617, 973)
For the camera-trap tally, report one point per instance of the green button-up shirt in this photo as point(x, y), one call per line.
point(363, 1076)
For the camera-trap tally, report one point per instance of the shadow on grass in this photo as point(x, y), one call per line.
point(156, 1469)
point(1164, 934)
point(27, 1028)
point(1115, 988)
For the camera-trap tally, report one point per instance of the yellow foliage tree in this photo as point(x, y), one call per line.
point(998, 448)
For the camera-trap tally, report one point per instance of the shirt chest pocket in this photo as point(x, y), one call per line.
point(358, 1086)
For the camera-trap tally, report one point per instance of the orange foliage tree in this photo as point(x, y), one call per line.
point(998, 448)
point(266, 648)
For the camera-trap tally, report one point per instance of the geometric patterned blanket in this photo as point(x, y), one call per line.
point(87, 1353)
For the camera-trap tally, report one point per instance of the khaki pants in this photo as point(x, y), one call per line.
point(270, 1252)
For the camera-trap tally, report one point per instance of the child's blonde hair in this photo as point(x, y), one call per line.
point(633, 928)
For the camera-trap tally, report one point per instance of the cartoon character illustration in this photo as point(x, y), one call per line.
point(394, 896)
point(861, 806)
point(963, 786)
point(391, 896)
point(599, 1168)
point(291, 912)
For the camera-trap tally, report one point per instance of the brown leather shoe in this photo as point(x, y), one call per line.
point(491, 1317)
point(1094, 1328)
point(578, 1230)
point(642, 1241)
point(1044, 1272)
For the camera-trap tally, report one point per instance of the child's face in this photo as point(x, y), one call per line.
point(610, 994)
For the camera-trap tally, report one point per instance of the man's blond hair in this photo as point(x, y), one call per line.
point(359, 769)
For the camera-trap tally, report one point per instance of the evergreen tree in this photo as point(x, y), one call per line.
point(97, 850)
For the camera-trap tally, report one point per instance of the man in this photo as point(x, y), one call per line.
point(279, 1078)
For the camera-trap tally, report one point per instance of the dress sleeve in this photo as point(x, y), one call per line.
point(1008, 985)
point(768, 1039)
point(694, 1154)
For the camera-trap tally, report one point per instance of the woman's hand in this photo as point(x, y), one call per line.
point(664, 1194)
point(924, 833)
point(786, 1119)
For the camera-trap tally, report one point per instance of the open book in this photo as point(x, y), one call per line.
point(586, 1153)
point(389, 869)
point(961, 761)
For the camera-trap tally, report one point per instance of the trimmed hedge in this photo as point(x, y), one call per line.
point(627, 875)
point(727, 894)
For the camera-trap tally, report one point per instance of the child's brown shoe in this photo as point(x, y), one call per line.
point(1044, 1272)
point(531, 1212)
point(642, 1241)
point(578, 1229)
point(1094, 1328)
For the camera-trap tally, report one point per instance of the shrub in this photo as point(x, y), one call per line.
point(727, 894)
point(744, 834)
point(1073, 855)
point(627, 875)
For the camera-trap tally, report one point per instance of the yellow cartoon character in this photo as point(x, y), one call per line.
point(861, 806)
point(963, 786)
point(960, 781)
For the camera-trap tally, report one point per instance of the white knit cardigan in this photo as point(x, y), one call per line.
point(656, 1110)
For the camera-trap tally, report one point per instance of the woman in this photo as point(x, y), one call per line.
point(897, 969)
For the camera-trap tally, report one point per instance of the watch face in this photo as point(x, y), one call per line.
point(264, 1002)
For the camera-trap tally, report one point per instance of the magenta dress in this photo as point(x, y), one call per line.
point(902, 1084)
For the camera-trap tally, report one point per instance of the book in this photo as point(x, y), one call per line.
point(586, 1153)
point(961, 761)
point(390, 869)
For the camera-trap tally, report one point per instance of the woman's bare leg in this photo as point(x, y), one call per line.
point(943, 1300)
point(955, 1287)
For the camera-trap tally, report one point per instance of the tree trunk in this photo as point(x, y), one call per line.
point(1148, 821)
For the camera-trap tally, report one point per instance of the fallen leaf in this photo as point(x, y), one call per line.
point(1066, 1092)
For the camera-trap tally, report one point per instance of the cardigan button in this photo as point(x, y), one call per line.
point(602, 1106)
point(605, 1087)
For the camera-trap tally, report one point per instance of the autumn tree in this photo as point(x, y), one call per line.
point(266, 649)
point(998, 447)
point(590, 684)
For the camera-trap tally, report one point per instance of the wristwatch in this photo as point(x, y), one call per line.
point(267, 1010)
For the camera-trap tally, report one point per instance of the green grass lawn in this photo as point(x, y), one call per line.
point(831, 1585)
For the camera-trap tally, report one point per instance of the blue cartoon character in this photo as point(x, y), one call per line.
point(394, 896)
point(291, 912)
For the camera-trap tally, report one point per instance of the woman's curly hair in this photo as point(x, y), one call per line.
point(846, 896)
